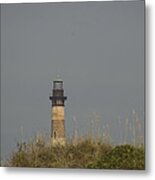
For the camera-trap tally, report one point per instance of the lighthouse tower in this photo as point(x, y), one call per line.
point(58, 112)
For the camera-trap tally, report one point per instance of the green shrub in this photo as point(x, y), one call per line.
point(85, 154)
point(122, 157)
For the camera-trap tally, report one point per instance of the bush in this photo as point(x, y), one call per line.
point(85, 154)
point(122, 157)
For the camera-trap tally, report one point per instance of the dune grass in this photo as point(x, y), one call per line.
point(93, 150)
point(85, 153)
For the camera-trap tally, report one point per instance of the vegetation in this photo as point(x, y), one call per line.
point(85, 153)
point(93, 151)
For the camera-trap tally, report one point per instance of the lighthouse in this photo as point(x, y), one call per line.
point(58, 113)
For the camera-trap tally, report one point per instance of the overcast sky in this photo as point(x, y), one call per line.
point(98, 50)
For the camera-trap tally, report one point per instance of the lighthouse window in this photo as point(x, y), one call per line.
point(54, 134)
point(59, 102)
point(57, 85)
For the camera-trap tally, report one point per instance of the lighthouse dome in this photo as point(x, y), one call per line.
point(58, 78)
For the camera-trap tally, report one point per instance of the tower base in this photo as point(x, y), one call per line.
point(58, 141)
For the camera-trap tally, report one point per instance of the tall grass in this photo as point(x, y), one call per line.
point(127, 130)
point(92, 150)
point(86, 153)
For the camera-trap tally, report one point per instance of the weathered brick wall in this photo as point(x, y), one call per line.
point(58, 113)
point(58, 127)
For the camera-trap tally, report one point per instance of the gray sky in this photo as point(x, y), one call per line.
point(98, 50)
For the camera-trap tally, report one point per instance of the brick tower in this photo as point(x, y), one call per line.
point(58, 112)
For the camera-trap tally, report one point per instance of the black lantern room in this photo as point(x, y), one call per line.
point(58, 97)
